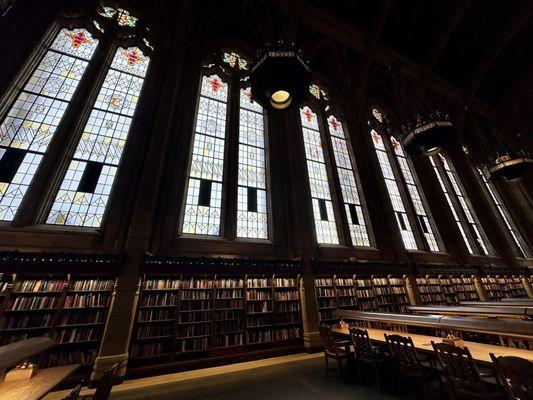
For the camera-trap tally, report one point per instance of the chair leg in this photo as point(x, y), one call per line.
point(327, 364)
point(339, 370)
point(378, 383)
point(359, 375)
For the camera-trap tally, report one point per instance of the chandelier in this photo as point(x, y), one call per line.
point(279, 78)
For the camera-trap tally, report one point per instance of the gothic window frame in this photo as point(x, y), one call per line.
point(236, 78)
point(119, 36)
point(70, 129)
point(473, 247)
point(17, 86)
point(323, 107)
point(520, 247)
point(387, 131)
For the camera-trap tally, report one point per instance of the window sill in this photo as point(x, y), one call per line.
point(55, 229)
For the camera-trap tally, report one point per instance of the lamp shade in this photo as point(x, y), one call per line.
point(279, 79)
point(427, 135)
point(510, 168)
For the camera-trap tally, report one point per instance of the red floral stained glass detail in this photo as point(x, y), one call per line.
point(335, 124)
point(308, 114)
point(215, 84)
point(395, 143)
point(132, 56)
point(376, 137)
point(78, 39)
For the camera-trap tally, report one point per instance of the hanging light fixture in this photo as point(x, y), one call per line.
point(501, 158)
point(510, 167)
point(279, 78)
point(426, 128)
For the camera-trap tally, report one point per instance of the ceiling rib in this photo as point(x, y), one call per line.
point(446, 32)
point(345, 34)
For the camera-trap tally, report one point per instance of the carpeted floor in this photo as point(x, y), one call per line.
point(297, 380)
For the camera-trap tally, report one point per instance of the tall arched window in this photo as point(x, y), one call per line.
point(410, 208)
point(519, 244)
point(224, 89)
point(30, 124)
point(463, 214)
point(321, 145)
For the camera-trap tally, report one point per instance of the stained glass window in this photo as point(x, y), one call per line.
point(84, 193)
point(123, 17)
point(204, 194)
point(444, 171)
point(234, 60)
point(326, 227)
point(30, 124)
point(521, 247)
point(252, 217)
point(394, 192)
point(349, 186)
point(414, 192)
point(377, 114)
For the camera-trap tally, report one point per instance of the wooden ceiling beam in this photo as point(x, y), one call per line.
point(379, 24)
point(345, 34)
point(446, 32)
point(516, 22)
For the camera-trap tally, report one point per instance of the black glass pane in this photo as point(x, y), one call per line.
point(90, 176)
point(10, 163)
point(252, 199)
point(204, 198)
point(323, 211)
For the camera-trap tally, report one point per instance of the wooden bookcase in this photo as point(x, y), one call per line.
point(464, 288)
point(436, 290)
point(503, 286)
point(183, 317)
point(71, 309)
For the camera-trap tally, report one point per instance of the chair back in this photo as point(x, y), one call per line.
point(516, 376)
point(75, 393)
point(103, 390)
point(459, 368)
point(403, 352)
point(361, 342)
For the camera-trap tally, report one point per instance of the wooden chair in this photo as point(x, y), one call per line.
point(366, 354)
point(408, 365)
point(75, 393)
point(461, 372)
point(333, 349)
point(105, 384)
point(515, 375)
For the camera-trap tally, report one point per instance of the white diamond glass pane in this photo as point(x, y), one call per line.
point(202, 216)
point(504, 214)
point(394, 193)
point(101, 144)
point(31, 122)
point(451, 205)
point(465, 205)
point(349, 187)
point(252, 214)
point(326, 228)
point(419, 205)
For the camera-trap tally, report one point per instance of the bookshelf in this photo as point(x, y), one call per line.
point(464, 288)
point(71, 309)
point(399, 293)
point(325, 297)
point(503, 286)
point(493, 288)
point(435, 290)
point(183, 317)
point(364, 292)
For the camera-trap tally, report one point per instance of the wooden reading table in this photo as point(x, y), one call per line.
point(501, 327)
point(498, 304)
point(44, 380)
point(485, 312)
point(38, 386)
point(480, 351)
